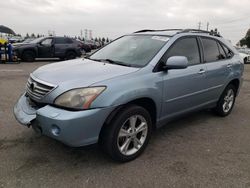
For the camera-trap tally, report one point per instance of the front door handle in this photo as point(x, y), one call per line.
point(229, 65)
point(202, 71)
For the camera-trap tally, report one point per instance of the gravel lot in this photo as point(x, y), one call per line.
point(200, 150)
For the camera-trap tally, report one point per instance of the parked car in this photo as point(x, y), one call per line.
point(92, 44)
point(245, 57)
point(245, 54)
point(14, 39)
point(84, 46)
point(131, 86)
point(98, 44)
point(48, 47)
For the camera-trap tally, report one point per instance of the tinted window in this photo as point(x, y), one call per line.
point(187, 47)
point(211, 50)
point(59, 40)
point(222, 52)
point(62, 40)
point(68, 40)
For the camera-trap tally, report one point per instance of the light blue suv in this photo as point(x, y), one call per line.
point(140, 81)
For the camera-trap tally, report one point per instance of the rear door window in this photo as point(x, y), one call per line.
point(211, 50)
point(59, 40)
point(187, 47)
point(68, 41)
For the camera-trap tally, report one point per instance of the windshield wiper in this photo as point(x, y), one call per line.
point(99, 60)
point(116, 62)
point(110, 61)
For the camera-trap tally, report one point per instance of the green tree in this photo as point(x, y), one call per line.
point(27, 35)
point(246, 40)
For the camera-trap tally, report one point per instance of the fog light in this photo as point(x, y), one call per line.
point(55, 130)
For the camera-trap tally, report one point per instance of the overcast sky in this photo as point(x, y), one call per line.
point(112, 18)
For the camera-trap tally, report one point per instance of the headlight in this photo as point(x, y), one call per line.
point(79, 98)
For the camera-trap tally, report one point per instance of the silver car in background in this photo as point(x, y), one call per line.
point(139, 82)
point(244, 54)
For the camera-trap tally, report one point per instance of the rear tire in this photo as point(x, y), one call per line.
point(226, 102)
point(28, 56)
point(128, 134)
point(70, 55)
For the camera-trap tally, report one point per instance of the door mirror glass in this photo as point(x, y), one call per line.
point(176, 62)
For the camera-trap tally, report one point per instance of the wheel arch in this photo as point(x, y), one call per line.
point(236, 83)
point(145, 102)
point(29, 49)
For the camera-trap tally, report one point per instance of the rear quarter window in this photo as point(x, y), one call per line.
point(228, 52)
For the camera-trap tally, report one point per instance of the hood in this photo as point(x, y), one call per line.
point(80, 72)
point(18, 45)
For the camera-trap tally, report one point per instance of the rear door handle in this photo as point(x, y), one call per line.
point(202, 71)
point(229, 65)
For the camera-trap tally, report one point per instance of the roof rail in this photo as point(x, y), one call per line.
point(213, 33)
point(155, 30)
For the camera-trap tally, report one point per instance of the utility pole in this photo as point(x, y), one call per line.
point(199, 25)
point(207, 26)
point(86, 34)
point(90, 34)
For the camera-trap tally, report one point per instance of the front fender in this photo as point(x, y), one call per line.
point(126, 89)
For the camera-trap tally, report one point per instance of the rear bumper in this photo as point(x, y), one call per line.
point(73, 128)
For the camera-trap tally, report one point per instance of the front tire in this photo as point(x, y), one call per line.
point(128, 134)
point(226, 102)
point(28, 56)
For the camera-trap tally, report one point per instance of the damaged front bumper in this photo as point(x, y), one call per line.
point(73, 128)
point(24, 112)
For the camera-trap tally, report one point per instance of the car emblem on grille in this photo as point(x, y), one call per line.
point(33, 86)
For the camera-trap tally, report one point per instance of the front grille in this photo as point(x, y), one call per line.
point(37, 89)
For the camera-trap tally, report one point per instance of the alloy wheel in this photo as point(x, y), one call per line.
point(132, 135)
point(228, 101)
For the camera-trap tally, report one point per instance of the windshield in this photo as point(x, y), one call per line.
point(136, 50)
point(37, 40)
point(28, 40)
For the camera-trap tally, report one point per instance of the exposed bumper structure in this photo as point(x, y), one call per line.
point(73, 128)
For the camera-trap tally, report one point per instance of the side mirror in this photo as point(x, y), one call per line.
point(176, 62)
